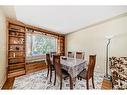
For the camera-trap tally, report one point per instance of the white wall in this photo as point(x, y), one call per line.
point(92, 40)
point(2, 48)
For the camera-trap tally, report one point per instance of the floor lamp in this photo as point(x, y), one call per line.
point(107, 57)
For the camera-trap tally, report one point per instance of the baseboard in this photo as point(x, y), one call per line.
point(99, 72)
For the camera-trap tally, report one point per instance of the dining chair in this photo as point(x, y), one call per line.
point(61, 73)
point(50, 66)
point(88, 73)
point(79, 55)
point(71, 54)
point(52, 53)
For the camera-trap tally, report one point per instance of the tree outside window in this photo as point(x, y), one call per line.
point(39, 44)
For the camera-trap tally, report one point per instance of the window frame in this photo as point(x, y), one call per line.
point(31, 42)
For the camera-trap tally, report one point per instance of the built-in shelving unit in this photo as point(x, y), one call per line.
point(16, 42)
point(61, 45)
point(16, 50)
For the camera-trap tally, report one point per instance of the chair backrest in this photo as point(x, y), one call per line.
point(91, 65)
point(56, 61)
point(71, 54)
point(48, 60)
point(52, 53)
point(79, 55)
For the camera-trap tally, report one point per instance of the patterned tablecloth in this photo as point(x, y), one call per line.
point(73, 66)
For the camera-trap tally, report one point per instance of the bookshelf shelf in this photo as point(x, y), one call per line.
point(16, 50)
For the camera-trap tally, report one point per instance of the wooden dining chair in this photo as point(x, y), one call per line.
point(50, 66)
point(88, 73)
point(52, 53)
point(61, 73)
point(71, 54)
point(79, 55)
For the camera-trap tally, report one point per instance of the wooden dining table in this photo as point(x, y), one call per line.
point(73, 66)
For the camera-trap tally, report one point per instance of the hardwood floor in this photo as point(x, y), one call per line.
point(106, 85)
point(8, 84)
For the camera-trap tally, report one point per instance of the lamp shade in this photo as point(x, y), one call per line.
point(109, 36)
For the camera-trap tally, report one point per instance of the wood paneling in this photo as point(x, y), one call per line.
point(35, 66)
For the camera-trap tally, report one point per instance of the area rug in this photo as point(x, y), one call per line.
point(39, 81)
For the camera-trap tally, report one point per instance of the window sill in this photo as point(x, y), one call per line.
point(35, 59)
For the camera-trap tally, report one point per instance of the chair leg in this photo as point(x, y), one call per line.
point(78, 77)
point(71, 83)
point(60, 83)
point(50, 74)
point(93, 82)
point(87, 84)
point(55, 78)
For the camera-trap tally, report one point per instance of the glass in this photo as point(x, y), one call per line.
point(39, 44)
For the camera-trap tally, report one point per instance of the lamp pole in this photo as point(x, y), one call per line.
point(107, 48)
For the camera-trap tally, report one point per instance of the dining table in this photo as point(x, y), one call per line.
point(73, 66)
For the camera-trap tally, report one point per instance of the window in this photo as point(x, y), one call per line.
point(39, 44)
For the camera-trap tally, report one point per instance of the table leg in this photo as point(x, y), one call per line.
point(74, 81)
point(71, 83)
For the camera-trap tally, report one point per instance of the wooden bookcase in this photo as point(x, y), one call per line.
point(16, 50)
point(61, 45)
point(16, 38)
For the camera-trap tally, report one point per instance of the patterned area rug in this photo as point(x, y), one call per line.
point(39, 81)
